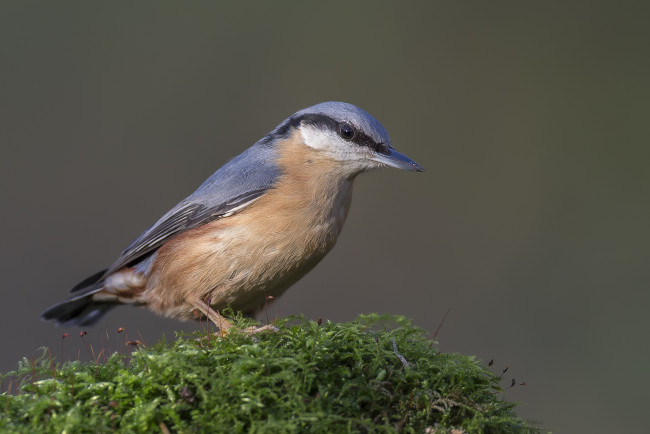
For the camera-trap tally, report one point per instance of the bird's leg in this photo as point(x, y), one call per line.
point(225, 325)
point(221, 322)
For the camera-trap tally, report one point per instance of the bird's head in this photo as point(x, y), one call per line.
point(349, 135)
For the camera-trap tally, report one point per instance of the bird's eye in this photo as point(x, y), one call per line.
point(347, 132)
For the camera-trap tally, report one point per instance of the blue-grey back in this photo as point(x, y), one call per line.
point(239, 181)
point(253, 169)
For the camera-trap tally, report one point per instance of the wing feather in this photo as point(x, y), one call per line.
point(179, 220)
point(234, 186)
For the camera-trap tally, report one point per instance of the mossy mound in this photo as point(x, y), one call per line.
point(375, 374)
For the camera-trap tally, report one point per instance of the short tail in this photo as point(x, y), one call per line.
point(81, 312)
point(80, 309)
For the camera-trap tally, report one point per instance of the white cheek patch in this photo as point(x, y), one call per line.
point(317, 138)
point(330, 143)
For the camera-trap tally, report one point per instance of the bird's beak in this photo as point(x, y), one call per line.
point(397, 160)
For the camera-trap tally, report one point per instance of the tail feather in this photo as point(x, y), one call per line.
point(95, 278)
point(76, 311)
point(80, 308)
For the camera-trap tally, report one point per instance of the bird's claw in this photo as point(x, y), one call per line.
point(250, 331)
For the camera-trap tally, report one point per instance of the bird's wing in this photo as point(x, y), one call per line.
point(232, 187)
point(186, 216)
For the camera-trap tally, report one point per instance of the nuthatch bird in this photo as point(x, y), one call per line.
point(251, 230)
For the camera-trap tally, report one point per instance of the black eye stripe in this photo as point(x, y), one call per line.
point(362, 139)
point(326, 122)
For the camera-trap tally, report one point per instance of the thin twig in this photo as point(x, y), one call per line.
point(435, 334)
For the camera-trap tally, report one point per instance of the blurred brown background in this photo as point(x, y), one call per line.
point(531, 221)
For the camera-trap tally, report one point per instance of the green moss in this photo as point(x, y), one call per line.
point(377, 374)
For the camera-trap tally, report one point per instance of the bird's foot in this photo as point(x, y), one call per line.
point(249, 331)
point(213, 316)
point(252, 330)
point(225, 326)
